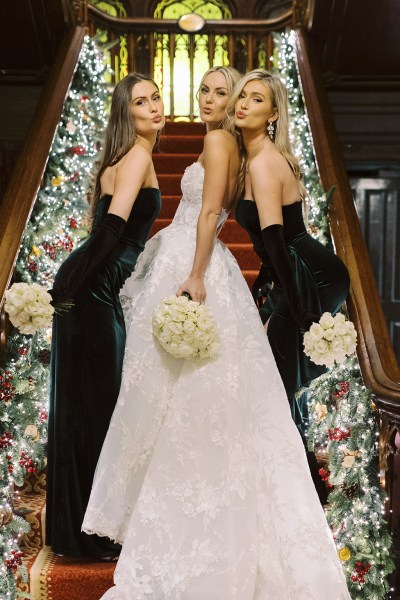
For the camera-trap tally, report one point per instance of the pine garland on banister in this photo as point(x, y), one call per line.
point(58, 222)
point(343, 418)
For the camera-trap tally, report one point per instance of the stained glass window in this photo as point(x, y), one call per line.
point(179, 67)
point(117, 60)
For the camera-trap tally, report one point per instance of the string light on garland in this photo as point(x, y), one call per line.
point(343, 420)
point(59, 221)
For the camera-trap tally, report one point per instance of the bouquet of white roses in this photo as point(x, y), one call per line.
point(29, 307)
point(186, 329)
point(330, 340)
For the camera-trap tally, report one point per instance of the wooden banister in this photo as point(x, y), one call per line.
point(377, 360)
point(20, 195)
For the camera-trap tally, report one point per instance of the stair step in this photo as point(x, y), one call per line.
point(169, 206)
point(173, 163)
point(250, 276)
point(192, 144)
point(245, 255)
point(184, 128)
point(230, 231)
point(170, 185)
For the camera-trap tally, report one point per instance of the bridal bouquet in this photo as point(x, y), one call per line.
point(330, 340)
point(29, 307)
point(186, 329)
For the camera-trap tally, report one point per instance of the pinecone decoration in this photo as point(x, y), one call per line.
point(44, 356)
point(350, 491)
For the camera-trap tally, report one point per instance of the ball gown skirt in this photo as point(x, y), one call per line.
point(203, 476)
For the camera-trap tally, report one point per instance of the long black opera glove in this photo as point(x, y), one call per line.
point(275, 245)
point(98, 245)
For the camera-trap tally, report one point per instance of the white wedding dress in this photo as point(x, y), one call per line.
point(203, 476)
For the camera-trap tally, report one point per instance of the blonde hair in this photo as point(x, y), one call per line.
point(281, 139)
point(231, 75)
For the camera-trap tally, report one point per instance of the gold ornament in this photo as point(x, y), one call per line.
point(36, 250)
point(5, 517)
point(344, 553)
point(33, 432)
point(373, 406)
point(56, 181)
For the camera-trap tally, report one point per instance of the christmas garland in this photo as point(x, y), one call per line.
point(59, 221)
point(343, 420)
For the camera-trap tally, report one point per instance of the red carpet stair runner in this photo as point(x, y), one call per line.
point(55, 578)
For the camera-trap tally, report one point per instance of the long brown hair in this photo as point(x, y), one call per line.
point(120, 133)
point(281, 139)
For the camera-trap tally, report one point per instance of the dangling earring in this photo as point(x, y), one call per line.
point(271, 130)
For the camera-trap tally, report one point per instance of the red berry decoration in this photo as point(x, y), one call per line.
point(78, 150)
point(6, 388)
point(43, 415)
point(14, 560)
point(73, 223)
point(324, 474)
point(361, 570)
point(32, 266)
point(6, 441)
point(339, 435)
point(27, 463)
point(84, 98)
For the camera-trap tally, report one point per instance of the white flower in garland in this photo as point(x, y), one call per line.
point(186, 329)
point(330, 340)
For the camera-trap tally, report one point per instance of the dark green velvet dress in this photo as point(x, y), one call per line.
point(86, 363)
point(324, 283)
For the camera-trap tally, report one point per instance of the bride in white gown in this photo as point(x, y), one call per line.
point(203, 475)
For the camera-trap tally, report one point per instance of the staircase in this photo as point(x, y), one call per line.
point(57, 578)
point(180, 146)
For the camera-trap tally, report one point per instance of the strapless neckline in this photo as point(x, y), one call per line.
point(141, 190)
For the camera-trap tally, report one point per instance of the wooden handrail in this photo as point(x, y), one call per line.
point(222, 26)
point(377, 360)
point(20, 195)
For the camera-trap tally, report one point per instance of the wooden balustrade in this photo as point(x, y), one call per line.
point(247, 44)
point(378, 363)
point(20, 195)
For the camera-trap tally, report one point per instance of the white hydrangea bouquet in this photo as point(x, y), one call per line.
point(28, 307)
point(186, 329)
point(330, 340)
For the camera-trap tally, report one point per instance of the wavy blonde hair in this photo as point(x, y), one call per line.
point(281, 139)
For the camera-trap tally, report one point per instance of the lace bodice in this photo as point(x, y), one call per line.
point(192, 189)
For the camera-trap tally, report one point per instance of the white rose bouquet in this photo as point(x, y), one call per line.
point(330, 340)
point(186, 329)
point(29, 307)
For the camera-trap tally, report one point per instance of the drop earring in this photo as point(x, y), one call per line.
point(271, 130)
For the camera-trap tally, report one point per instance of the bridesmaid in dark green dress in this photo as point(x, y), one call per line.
point(306, 279)
point(89, 340)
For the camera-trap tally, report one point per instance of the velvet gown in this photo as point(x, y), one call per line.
point(88, 346)
point(324, 283)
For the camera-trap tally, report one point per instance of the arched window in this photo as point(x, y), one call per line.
point(179, 64)
point(117, 60)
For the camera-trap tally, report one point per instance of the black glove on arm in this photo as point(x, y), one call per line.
point(275, 245)
point(98, 245)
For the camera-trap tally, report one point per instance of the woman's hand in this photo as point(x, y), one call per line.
point(195, 287)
